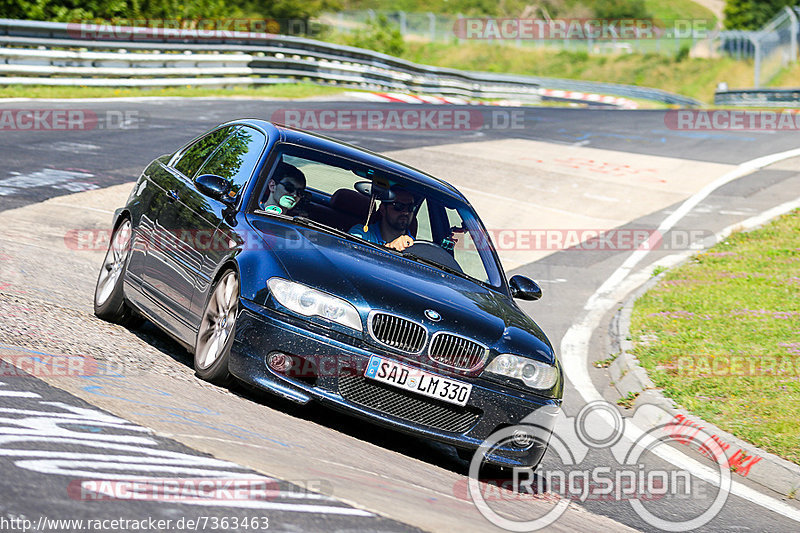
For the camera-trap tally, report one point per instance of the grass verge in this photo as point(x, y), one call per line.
point(293, 90)
point(721, 335)
point(694, 77)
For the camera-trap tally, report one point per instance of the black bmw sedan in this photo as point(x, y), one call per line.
point(316, 270)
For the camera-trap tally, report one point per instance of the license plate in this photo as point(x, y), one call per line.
point(418, 381)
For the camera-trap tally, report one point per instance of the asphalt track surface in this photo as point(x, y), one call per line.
point(103, 157)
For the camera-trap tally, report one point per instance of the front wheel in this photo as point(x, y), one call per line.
point(109, 300)
point(215, 337)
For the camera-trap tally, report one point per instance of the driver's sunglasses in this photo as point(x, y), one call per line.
point(401, 207)
point(291, 188)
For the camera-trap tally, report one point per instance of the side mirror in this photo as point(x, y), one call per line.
point(524, 288)
point(214, 186)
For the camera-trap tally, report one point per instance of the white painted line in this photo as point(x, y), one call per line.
point(575, 344)
point(18, 394)
point(431, 99)
point(372, 97)
point(408, 98)
point(689, 204)
point(275, 506)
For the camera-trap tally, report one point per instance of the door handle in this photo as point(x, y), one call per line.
point(172, 195)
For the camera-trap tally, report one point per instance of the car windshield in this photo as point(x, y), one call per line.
point(335, 192)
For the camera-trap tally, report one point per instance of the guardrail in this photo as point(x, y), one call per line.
point(52, 53)
point(759, 97)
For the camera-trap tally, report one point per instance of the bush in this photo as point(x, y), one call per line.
point(620, 9)
point(380, 36)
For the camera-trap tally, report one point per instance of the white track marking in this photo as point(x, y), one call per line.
point(690, 203)
point(575, 344)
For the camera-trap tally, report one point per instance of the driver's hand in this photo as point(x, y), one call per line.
point(400, 243)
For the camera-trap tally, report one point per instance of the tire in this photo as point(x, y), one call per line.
point(217, 326)
point(109, 300)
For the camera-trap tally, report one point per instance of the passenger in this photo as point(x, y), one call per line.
point(286, 188)
point(391, 228)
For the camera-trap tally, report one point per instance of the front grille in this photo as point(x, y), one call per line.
point(397, 332)
point(405, 405)
point(456, 351)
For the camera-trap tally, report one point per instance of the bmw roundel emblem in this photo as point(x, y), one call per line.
point(433, 315)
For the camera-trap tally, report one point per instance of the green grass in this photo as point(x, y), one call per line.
point(295, 90)
point(721, 335)
point(679, 9)
point(695, 77)
point(658, 9)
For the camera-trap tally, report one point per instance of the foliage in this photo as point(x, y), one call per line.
point(752, 14)
point(683, 53)
point(620, 9)
point(80, 10)
point(379, 35)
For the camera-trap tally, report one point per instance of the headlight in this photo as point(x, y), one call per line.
point(534, 374)
point(307, 301)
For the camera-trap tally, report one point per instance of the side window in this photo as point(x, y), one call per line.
point(236, 158)
point(465, 250)
point(424, 223)
point(194, 155)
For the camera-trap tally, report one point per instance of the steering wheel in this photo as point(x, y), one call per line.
point(433, 252)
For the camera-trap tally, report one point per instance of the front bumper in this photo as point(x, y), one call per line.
point(331, 371)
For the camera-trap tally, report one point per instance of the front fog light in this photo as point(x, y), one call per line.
point(532, 373)
point(522, 439)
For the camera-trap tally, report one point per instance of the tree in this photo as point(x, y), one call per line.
point(752, 14)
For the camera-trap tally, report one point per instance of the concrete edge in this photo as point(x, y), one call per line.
point(629, 378)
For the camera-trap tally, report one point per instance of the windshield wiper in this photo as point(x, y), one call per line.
point(305, 221)
point(317, 225)
point(433, 263)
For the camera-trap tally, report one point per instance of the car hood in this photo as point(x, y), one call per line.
point(372, 279)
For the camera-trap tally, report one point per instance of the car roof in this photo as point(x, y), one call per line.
point(327, 144)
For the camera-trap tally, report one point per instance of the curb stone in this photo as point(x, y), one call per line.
point(629, 377)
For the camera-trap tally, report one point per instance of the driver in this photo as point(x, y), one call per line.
point(391, 228)
point(286, 188)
